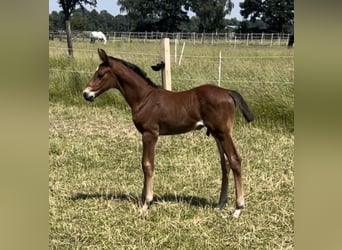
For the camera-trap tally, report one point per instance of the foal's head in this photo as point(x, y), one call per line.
point(103, 79)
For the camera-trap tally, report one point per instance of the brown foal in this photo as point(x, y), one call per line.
point(156, 111)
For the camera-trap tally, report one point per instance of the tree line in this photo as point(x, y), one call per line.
point(172, 16)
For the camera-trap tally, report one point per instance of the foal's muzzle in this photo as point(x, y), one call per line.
point(89, 96)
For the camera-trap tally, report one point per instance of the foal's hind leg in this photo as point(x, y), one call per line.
point(235, 163)
point(225, 176)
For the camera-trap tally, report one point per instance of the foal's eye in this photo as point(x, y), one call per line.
point(100, 75)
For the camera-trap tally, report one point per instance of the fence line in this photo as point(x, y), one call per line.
point(184, 56)
point(71, 71)
point(116, 52)
point(215, 58)
point(230, 38)
point(186, 79)
point(242, 57)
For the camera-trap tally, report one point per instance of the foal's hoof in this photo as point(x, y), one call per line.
point(144, 210)
point(237, 213)
point(145, 207)
point(221, 205)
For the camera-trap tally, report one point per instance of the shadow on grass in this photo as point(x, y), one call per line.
point(181, 198)
point(110, 196)
point(188, 199)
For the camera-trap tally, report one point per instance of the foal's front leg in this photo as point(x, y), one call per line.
point(149, 144)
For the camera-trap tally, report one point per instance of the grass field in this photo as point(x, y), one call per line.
point(95, 176)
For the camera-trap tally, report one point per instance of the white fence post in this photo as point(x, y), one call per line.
point(176, 43)
point(219, 69)
point(181, 56)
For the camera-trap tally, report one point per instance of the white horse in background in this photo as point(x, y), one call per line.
point(98, 35)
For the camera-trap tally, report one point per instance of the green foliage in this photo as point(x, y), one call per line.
point(252, 9)
point(257, 26)
point(155, 15)
point(277, 14)
point(171, 16)
point(211, 14)
point(85, 20)
point(69, 6)
point(56, 21)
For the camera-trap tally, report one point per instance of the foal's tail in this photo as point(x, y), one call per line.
point(240, 102)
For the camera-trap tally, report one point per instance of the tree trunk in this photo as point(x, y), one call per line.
point(69, 40)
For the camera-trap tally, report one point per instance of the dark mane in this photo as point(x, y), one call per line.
point(137, 70)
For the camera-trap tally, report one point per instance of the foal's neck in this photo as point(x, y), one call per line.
point(134, 89)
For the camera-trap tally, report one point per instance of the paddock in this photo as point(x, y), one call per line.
point(95, 155)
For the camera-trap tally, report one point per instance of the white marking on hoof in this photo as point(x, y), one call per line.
point(237, 213)
point(199, 124)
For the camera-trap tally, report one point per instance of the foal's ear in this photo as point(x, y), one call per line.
point(103, 55)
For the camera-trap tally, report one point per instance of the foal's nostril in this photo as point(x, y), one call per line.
point(88, 96)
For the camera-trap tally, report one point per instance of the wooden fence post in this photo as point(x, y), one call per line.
point(165, 57)
point(69, 38)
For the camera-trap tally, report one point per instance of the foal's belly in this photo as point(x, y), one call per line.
point(179, 128)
